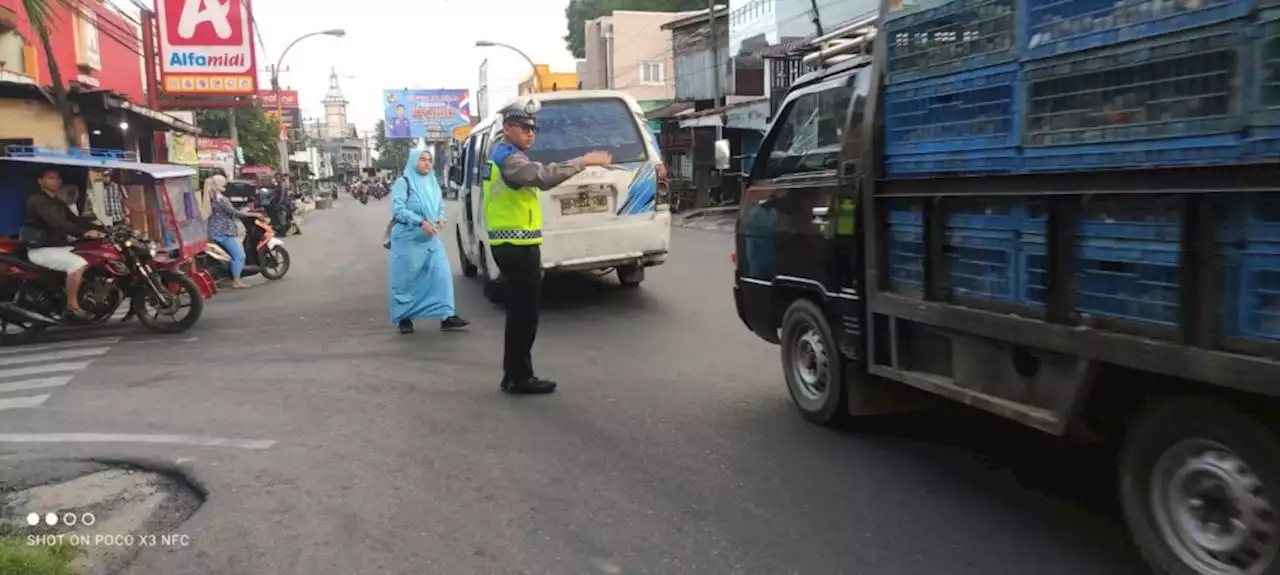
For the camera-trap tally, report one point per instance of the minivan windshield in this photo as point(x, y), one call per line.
point(570, 128)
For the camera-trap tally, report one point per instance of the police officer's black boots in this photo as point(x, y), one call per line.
point(531, 386)
point(453, 323)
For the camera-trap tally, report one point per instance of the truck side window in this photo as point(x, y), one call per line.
point(809, 133)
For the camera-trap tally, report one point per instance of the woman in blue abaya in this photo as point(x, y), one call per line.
point(421, 279)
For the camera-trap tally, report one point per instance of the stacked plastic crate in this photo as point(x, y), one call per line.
point(1132, 83)
point(951, 92)
point(1250, 254)
point(950, 101)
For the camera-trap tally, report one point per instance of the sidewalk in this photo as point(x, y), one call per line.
point(719, 219)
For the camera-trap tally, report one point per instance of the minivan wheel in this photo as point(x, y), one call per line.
point(812, 364)
point(1198, 478)
point(468, 269)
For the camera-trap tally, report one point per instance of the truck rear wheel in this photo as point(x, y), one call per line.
point(812, 364)
point(1194, 481)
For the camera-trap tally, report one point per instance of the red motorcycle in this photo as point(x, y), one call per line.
point(123, 264)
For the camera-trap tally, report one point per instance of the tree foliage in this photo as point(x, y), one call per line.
point(578, 12)
point(38, 14)
point(259, 135)
point(392, 152)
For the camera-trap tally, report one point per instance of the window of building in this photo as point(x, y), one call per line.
point(651, 73)
point(12, 55)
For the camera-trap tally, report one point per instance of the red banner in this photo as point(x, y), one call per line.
point(288, 98)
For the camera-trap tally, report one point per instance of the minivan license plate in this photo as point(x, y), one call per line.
point(584, 204)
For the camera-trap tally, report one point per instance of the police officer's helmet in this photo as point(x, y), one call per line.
point(522, 111)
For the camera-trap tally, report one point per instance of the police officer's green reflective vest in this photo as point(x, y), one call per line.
point(512, 216)
point(846, 223)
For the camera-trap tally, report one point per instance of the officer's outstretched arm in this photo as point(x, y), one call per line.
point(519, 171)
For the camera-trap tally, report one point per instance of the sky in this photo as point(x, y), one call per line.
point(396, 44)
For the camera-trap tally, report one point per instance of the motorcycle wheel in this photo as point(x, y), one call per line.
point(184, 286)
point(275, 262)
point(14, 333)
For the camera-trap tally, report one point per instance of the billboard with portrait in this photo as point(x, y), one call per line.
point(424, 113)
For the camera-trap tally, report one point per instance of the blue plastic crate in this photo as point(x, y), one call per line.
point(1211, 150)
point(1171, 100)
point(1055, 27)
point(1264, 92)
point(981, 240)
point(906, 257)
point(1262, 144)
point(966, 111)
point(949, 37)
point(961, 163)
point(1033, 271)
point(1252, 303)
point(1127, 259)
point(1128, 280)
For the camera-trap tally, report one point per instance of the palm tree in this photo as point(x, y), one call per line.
point(38, 13)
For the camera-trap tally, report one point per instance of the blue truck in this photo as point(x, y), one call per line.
point(1063, 212)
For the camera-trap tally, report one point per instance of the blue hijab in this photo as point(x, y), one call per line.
point(423, 198)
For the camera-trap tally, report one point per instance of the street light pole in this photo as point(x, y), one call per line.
point(537, 82)
point(283, 144)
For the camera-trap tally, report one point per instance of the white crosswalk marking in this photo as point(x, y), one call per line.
point(53, 356)
point(21, 402)
point(29, 374)
point(42, 383)
point(27, 349)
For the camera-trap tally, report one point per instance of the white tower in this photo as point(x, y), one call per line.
point(335, 109)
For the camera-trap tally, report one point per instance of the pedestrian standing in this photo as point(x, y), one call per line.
point(420, 276)
point(513, 216)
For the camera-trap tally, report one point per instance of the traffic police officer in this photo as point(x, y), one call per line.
point(513, 217)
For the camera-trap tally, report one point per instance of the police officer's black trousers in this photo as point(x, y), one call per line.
point(521, 268)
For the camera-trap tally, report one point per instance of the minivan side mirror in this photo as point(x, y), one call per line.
point(723, 154)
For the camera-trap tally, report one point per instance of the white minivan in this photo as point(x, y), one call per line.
point(603, 218)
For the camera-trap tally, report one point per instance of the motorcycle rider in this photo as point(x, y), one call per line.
point(48, 223)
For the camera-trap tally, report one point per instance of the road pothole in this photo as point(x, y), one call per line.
point(109, 515)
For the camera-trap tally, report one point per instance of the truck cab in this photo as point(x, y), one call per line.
point(982, 228)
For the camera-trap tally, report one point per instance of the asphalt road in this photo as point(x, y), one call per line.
point(671, 446)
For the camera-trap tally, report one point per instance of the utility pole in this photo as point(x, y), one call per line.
point(817, 18)
point(235, 141)
point(715, 58)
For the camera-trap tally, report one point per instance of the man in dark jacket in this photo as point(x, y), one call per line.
point(49, 223)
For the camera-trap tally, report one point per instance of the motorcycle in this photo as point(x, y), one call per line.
point(263, 253)
point(123, 264)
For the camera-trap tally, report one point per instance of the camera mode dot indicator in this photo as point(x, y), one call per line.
point(51, 519)
point(33, 519)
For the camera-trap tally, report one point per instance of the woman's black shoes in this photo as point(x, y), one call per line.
point(453, 323)
point(406, 326)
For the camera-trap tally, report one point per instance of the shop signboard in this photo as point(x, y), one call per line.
point(206, 47)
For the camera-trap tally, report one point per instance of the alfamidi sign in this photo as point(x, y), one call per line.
point(206, 47)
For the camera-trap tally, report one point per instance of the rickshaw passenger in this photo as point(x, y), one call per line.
point(48, 223)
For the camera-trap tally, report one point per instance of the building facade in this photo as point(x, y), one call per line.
point(754, 24)
point(482, 91)
point(629, 51)
point(94, 46)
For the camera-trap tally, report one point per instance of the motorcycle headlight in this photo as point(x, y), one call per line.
point(144, 251)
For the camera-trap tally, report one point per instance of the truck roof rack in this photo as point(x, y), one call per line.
point(844, 43)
